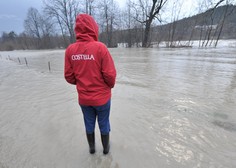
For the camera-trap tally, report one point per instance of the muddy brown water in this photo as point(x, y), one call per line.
point(171, 108)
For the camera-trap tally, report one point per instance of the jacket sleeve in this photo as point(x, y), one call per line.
point(108, 69)
point(68, 70)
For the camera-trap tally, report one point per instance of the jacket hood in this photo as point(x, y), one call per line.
point(86, 29)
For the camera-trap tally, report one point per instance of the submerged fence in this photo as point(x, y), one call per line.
point(25, 61)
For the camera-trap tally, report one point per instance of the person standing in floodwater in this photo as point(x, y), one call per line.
point(89, 66)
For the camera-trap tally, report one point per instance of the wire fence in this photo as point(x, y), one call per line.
point(41, 63)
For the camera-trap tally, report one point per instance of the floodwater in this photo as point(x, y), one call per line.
point(171, 108)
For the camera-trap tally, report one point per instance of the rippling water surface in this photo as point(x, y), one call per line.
point(170, 108)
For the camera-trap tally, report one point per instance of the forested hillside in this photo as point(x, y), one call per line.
point(212, 25)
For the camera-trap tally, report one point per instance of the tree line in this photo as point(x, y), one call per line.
point(136, 24)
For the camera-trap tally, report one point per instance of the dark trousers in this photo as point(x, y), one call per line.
point(102, 114)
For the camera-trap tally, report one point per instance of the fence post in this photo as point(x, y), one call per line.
point(19, 60)
point(26, 63)
point(49, 66)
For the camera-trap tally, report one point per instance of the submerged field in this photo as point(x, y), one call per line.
point(171, 108)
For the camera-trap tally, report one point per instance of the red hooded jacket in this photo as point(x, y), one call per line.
point(89, 65)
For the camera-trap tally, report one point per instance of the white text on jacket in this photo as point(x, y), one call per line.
point(82, 57)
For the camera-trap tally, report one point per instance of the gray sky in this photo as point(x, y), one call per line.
point(13, 14)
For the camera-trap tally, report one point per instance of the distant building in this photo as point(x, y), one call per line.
point(206, 27)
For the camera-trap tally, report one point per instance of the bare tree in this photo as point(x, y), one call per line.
point(32, 25)
point(64, 12)
point(107, 20)
point(209, 27)
point(228, 10)
point(176, 8)
point(227, 13)
point(39, 27)
point(150, 12)
point(128, 24)
point(89, 6)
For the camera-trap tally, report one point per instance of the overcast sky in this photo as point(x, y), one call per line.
point(13, 13)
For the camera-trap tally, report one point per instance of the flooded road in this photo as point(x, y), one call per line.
point(171, 108)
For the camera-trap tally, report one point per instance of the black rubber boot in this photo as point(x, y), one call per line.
point(105, 143)
point(91, 142)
